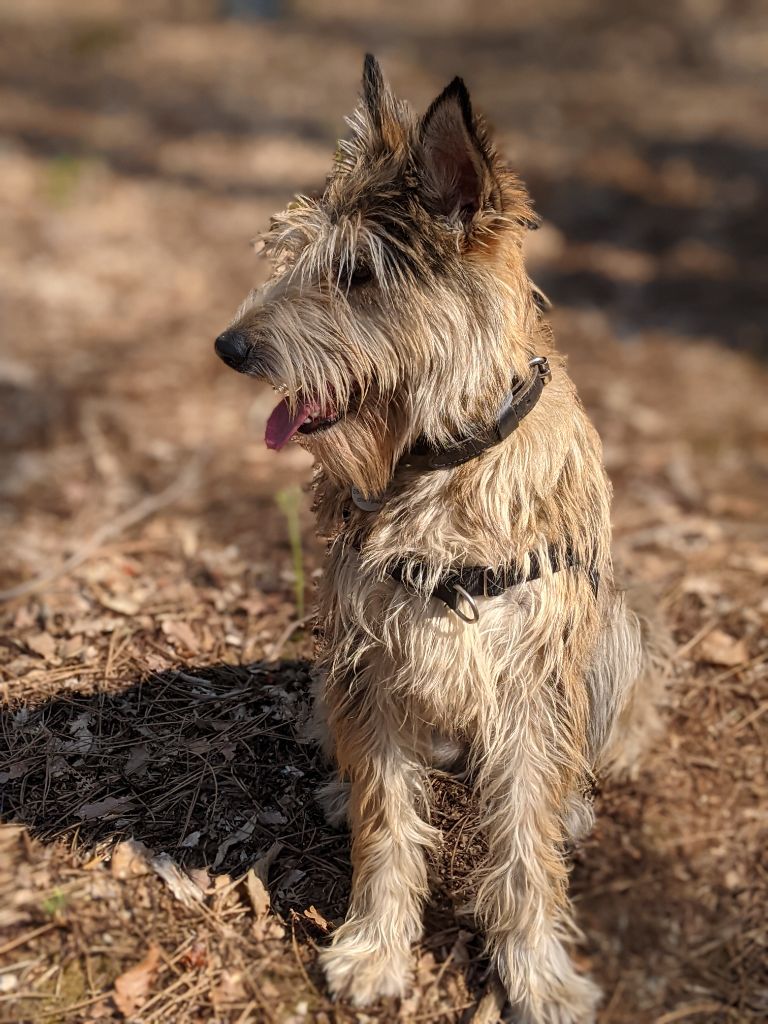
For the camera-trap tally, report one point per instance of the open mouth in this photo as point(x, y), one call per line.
point(308, 416)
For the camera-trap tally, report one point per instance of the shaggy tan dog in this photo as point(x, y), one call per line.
point(468, 608)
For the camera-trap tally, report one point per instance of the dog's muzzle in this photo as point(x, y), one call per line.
point(233, 348)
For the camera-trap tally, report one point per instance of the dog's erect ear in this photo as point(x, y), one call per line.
point(379, 103)
point(375, 123)
point(458, 172)
point(375, 89)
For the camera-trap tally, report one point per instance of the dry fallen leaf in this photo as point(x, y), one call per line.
point(137, 759)
point(101, 808)
point(42, 644)
point(264, 863)
point(256, 881)
point(720, 648)
point(257, 894)
point(71, 647)
point(25, 617)
point(240, 835)
point(17, 769)
point(268, 990)
point(272, 817)
point(230, 988)
point(120, 604)
point(425, 968)
point(701, 586)
point(191, 841)
point(201, 878)
point(132, 987)
point(314, 915)
point(181, 636)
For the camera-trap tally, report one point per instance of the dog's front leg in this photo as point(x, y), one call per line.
point(370, 954)
point(522, 898)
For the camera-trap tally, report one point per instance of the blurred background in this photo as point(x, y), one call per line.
point(151, 542)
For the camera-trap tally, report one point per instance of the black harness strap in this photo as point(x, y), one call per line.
point(481, 581)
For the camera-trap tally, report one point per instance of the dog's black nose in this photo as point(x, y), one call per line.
point(233, 348)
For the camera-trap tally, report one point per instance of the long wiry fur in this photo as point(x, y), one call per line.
point(539, 693)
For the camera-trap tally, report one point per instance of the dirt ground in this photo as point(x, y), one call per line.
point(156, 790)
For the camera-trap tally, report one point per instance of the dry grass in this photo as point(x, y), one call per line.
point(151, 753)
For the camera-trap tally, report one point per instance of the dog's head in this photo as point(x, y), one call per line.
point(399, 306)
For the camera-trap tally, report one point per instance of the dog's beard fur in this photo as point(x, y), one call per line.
point(400, 296)
point(430, 343)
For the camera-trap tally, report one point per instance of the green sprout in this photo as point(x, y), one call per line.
point(63, 174)
point(55, 902)
point(288, 501)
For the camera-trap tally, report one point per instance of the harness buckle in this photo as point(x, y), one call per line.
point(542, 368)
point(475, 611)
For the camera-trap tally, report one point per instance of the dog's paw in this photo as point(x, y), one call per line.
point(357, 974)
point(579, 819)
point(575, 1005)
point(548, 991)
point(333, 798)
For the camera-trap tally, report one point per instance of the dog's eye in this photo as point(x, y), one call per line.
point(360, 275)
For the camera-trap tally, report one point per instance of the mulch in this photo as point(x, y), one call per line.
point(162, 854)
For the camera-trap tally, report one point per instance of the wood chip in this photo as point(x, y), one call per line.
point(720, 648)
point(183, 887)
point(130, 859)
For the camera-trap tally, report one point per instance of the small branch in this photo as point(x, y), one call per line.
point(130, 517)
point(24, 939)
point(286, 635)
point(491, 1006)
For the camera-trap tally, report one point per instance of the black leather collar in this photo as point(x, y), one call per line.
point(519, 401)
point(463, 584)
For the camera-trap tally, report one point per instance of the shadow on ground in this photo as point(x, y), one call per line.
point(208, 766)
point(674, 239)
point(211, 767)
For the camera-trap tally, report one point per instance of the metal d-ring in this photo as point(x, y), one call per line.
point(475, 617)
point(542, 368)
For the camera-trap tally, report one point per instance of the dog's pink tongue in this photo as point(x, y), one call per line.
point(281, 425)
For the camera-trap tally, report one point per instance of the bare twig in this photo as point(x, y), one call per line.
point(490, 1007)
point(22, 940)
point(683, 649)
point(108, 531)
point(286, 635)
point(690, 1010)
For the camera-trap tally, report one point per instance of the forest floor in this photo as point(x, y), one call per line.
point(157, 794)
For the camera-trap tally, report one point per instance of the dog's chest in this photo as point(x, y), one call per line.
point(417, 649)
